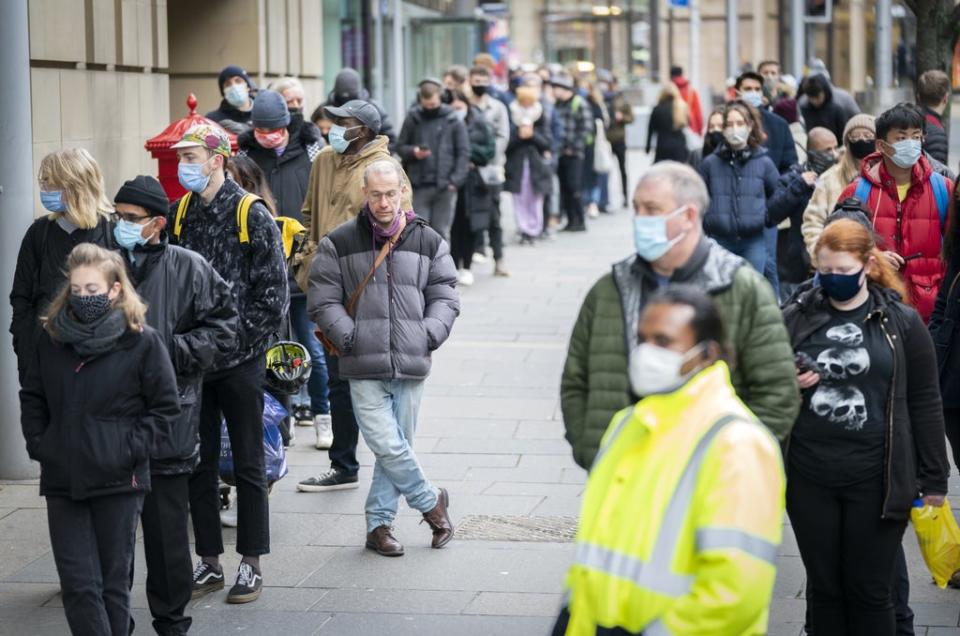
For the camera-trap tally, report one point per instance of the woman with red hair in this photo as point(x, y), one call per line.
point(869, 439)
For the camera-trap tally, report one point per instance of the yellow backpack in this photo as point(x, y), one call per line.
point(243, 211)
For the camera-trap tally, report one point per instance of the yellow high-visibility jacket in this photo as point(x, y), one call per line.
point(682, 517)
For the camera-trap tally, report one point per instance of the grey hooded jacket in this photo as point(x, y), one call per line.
point(406, 310)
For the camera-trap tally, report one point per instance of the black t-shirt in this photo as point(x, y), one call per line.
point(839, 436)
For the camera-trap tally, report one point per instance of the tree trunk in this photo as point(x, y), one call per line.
point(938, 25)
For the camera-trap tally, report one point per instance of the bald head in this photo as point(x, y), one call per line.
point(821, 140)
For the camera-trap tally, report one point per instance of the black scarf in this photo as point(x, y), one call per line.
point(90, 339)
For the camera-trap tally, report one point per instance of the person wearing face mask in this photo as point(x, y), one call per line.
point(347, 87)
point(820, 111)
point(190, 307)
point(741, 178)
point(687, 490)
point(334, 197)
point(97, 399)
point(869, 439)
point(236, 107)
point(789, 201)
point(908, 203)
point(72, 192)
point(435, 150)
point(712, 139)
point(669, 203)
point(249, 256)
point(778, 140)
point(859, 140)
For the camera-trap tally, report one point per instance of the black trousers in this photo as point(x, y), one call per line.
point(620, 152)
point(570, 174)
point(346, 432)
point(236, 394)
point(463, 240)
point(951, 420)
point(93, 542)
point(850, 555)
point(166, 546)
point(495, 230)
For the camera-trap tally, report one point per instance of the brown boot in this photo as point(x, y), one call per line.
point(383, 542)
point(439, 520)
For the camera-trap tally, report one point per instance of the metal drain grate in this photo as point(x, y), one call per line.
point(505, 528)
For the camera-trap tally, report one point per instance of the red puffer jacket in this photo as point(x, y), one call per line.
point(910, 228)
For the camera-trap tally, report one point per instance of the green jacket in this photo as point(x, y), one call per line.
point(595, 382)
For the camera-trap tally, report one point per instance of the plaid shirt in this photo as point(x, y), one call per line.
point(575, 125)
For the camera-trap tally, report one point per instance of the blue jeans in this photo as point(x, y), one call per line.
point(601, 191)
point(770, 265)
point(387, 411)
point(303, 329)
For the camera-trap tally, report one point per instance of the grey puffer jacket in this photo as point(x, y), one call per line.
point(406, 311)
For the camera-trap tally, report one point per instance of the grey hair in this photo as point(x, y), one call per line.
point(285, 83)
point(687, 185)
point(384, 167)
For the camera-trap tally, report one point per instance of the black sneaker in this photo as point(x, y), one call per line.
point(247, 587)
point(333, 479)
point(206, 579)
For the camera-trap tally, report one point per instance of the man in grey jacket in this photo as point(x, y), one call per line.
point(382, 291)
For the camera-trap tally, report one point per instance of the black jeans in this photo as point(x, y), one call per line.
point(166, 546)
point(343, 451)
point(235, 394)
point(620, 151)
point(570, 174)
point(93, 542)
point(850, 555)
point(463, 240)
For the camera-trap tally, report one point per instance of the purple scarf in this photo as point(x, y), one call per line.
point(381, 235)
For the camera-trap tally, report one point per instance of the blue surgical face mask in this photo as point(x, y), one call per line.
point(128, 234)
point(191, 176)
point(52, 200)
point(337, 137)
point(906, 152)
point(840, 287)
point(650, 235)
point(754, 98)
point(237, 95)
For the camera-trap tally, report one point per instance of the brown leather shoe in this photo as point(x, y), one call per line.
point(383, 542)
point(439, 520)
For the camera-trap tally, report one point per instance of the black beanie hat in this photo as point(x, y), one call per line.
point(146, 192)
point(233, 70)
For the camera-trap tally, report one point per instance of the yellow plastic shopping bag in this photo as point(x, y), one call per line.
point(939, 539)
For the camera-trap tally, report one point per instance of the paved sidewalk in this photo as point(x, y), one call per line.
point(491, 433)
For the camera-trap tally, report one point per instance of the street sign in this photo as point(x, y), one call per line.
point(680, 4)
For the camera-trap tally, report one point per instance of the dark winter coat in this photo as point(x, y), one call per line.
point(406, 310)
point(256, 272)
point(916, 455)
point(233, 119)
point(779, 143)
point(348, 86)
point(671, 142)
point(189, 306)
point(574, 126)
point(596, 382)
point(287, 174)
point(445, 136)
point(789, 201)
point(39, 275)
point(92, 423)
point(945, 329)
point(477, 195)
point(739, 182)
point(935, 140)
point(829, 115)
point(532, 150)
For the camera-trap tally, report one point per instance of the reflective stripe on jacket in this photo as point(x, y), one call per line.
point(682, 516)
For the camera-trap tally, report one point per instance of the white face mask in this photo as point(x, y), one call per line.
point(654, 369)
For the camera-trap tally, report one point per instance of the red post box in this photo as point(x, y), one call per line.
point(160, 148)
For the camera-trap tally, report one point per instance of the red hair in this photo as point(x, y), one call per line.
point(846, 235)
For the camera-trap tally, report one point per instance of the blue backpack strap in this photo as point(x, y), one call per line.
point(939, 185)
point(864, 188)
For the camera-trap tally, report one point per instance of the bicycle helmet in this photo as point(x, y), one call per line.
point(288, 367)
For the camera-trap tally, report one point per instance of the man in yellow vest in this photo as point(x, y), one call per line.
point(683, 511)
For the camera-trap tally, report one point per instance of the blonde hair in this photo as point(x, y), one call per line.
point(671, 92)
point(75, 172)
point(110, 264)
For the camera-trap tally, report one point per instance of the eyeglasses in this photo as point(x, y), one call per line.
point(129, 218)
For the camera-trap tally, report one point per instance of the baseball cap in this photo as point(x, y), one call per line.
point(206, 136)
point(363, 111)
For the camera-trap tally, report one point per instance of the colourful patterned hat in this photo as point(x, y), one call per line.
point(206, 136)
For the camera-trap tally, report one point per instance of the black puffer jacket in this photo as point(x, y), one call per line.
point(92, 423)
point(789, 201)
point(189, 306)
point(233, 119)
point(256, 271)
point(443, 134)
point(39, 276)
point(916, 454)
point(287, 174)
point(935, 142)
point(945, 329)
